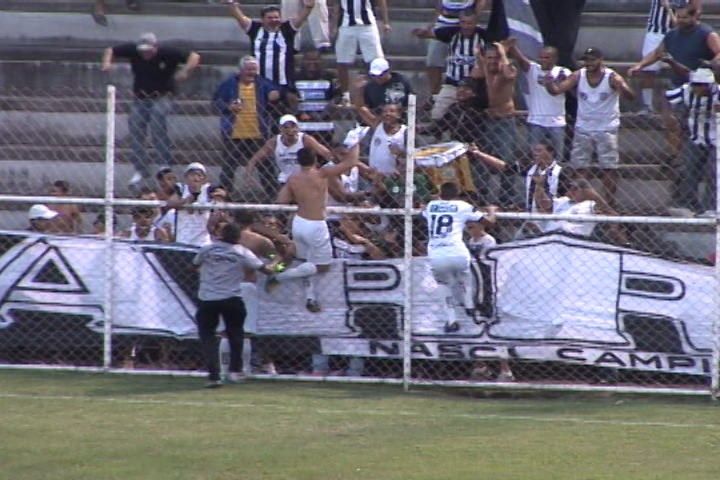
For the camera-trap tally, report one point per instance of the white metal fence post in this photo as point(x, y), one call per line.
point(109, 227)
point(408, 247)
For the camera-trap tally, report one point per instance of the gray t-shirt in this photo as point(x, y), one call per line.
point(222, 270)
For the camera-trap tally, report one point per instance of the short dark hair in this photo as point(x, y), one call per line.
point(547, 144)
point(269, 9)
point(162, 172)
point(145, 190)
point(142, 211)
point(101, 219)
point(449, 190)
point(244, 217)
point(230, 233)
point(62, 185)
point(306, 157)
point(552, 49)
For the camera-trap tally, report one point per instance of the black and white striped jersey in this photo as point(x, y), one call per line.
point(701, 121)
point(356, 12)
point(659, 19)
point(461, 51)
point(274, 51)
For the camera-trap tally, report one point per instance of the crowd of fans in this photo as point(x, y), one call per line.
point(269, 113)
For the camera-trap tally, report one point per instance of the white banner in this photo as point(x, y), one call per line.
point(553, 298)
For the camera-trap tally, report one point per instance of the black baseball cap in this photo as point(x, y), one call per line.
point(592, 53)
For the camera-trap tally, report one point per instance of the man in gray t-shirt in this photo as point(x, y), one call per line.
point(222, 269)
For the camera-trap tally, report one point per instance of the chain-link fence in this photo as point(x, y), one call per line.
point(597, 285)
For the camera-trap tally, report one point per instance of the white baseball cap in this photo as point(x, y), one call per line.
point(195, 166)
point(379, 66)
point(702, 75)
point(38, 212)
point(147, 41)
point(286, 119)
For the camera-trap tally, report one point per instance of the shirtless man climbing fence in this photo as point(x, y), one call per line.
point(308, 188)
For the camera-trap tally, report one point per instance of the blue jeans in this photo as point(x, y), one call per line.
point(699, 165)
point(149, 114)
point(501, 137)
point(555, 135)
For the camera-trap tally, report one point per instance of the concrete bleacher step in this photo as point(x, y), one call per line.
point(66, 23)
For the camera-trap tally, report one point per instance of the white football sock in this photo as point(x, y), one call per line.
point(309, 287)
point(446, 295)
point(246, 355)
point(647, 97)
point(224, 356)
point(467, 286)
point(303, 270)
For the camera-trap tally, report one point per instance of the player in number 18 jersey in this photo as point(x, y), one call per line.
point(448, 254)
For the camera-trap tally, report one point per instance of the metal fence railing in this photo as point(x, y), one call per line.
point(584, 281)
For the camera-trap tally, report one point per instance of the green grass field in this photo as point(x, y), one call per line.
point(68, 426)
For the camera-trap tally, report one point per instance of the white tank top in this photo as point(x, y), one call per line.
point(150, 237)
point(191, 227)
point(381, 158)
point(286, 157)
point(599, 107)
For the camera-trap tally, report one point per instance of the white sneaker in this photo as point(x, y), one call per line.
point(235, 377)
point(707, 214)
point(355, 135)
point(505, 377)
point(681, 212)
point(269, 369)
point(345, 99)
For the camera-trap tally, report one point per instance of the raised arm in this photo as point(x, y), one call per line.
point(540, 196)
point(285, 196)
point(489, 160)
point(192, 62)
point(617, 82)
point(517, 54)
point(506, 67)
point(303, 14)
point(319, 149)
point(107, 59)
point(478, 70)
point(261, 154)
point(243, 20)
point(558, 88)
point(351, 159)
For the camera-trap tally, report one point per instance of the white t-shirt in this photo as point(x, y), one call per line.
point(381, 158)
point(286, 157)
point(166, 221)
point(446, 221)
point(134, 237)
point(599, 107)
point(563, 206)
point(544, 109)
point(478, 246)
point(191, 226)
